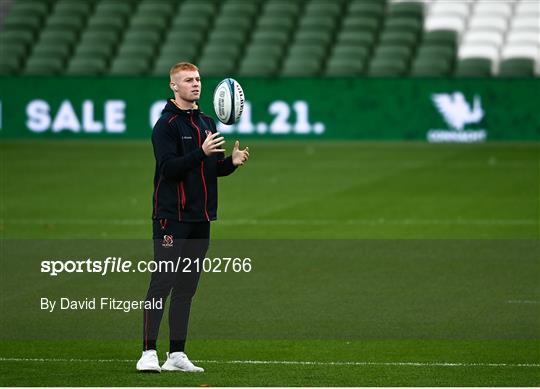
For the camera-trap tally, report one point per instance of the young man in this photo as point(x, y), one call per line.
point(189, 157)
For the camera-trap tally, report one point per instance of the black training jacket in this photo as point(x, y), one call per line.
point(185, 179)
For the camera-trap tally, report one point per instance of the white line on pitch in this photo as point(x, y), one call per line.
point(379, 221)
point(302, 363)
point(523, 302)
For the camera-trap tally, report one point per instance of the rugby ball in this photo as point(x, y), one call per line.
point(228, 101)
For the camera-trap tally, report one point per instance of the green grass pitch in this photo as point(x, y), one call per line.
point(374, 264)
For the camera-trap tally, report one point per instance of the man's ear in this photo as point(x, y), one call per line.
point(173, 86)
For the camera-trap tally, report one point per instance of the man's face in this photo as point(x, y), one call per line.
point(187, 84)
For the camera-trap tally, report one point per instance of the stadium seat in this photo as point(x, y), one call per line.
point(387, 67)
point(9, 65)
point(105, 23)
point(474, 67)
point(500, 9)
point(306, 51)
point(361, 8)
point(523, 37)
point(489, 37)
point(490, 23)
point(129, 66)
point(430, 67)
point(58, 37)
point(258, 67)
point(70, 7)
point(51, 51)
point(408, 9)
point(155, 22)
point(44, 65)
point(451, 8)
point(270, 37)
point(360, 23)
point(516, 67)
point(93, 50)
point(338, 66)
point(239, 8)
point(210, 67)
point(322, 8)
point(270, 23)
point(405, 38)
point(353, 38)
point(86, 66)
point(452, 23)
point(300, 67)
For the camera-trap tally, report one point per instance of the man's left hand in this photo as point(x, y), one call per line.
point(239, 157)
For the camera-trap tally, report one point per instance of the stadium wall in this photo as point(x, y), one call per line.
point(436, 110)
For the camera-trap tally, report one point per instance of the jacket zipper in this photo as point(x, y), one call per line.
point(202, 170)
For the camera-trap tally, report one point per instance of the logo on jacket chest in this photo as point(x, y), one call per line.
point(189, 137)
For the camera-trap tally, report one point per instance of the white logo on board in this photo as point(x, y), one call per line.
point(457, 113)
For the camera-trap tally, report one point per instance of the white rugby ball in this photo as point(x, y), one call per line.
point(228, 101)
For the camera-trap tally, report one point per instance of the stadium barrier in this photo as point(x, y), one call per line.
point(436, 110)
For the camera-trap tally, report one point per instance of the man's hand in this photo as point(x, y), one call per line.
point(239, 157)
point(212, 143)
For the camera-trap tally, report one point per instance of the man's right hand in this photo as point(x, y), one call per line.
point(212, 143)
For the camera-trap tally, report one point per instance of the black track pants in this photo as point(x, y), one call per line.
point(173, 240)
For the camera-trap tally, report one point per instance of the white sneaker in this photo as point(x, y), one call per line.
point(179, 361)
point(149, 362)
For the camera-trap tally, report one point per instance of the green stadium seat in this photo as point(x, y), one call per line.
point(156, 8)
point(360, 23)
point(192, 23)
point(129, 66)
point(70, 7)
point(210, 67)
point(219, 51)
point(28, 8)
point(227, 38)
point(405, 38)
point(406, 9)
point(184, 51)
point(344, 67)
point(114, 8)
point(184, 38)
point(128, 50)
point(106, 22)
point(148, 22)
point(258, 67)
point(403, 24)
point(473, 67)
point(21, 22)
point(393, 52)
point(267, 23)
point(228, 23)
point(11, 50)
point(362, 8)
point(18, 36)
point(86, 66)
point(101, 37)
point(440, 37)
point(289, 9)
point(9, 65)
point(354, 38)
point(325, 8)
point(431, 67)
point(44, 66)
point(435, 51)
point(306, 51)
point(350, 52)
point(322, 38)
point(516, 67)
point(93, 50)
point(301, 67)
point(58, 37)
point(239, 8)
point(387, 67)
point(142, 37)
point(319, 22)
point(199, 8)
point(264, 51)
point(51, 50)
point(65, 22)
point(279, 37)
